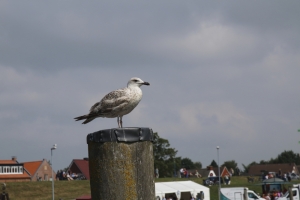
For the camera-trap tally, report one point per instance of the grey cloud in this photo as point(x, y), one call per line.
point(205, 61)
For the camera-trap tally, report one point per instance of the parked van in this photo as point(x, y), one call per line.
point(295, 190)
point(239, 193)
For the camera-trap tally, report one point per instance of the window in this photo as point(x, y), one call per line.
point(14, 169)
point(6, 169)
point(294, 194)
point(45, 167)
point(11, 169)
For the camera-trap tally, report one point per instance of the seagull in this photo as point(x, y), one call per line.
point(117, 103)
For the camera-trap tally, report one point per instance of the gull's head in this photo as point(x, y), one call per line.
point(133, 82)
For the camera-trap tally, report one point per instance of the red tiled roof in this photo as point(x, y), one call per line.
point(14, 176)
point(33, 166)
point(8, 162)
point(83, 166)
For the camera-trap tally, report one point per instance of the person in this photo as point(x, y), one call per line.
point(74, 176)
point(232, 171)
point(271, 175)
point(289, 178)
point(279, 194)
point(197, 174)
point(186, 173)
point(61, 175)
point(69, 178)
point(267, 196)
point(267, 177)
point(284, 177)
point(64, 175)
point(227, 179)
point(57, 175)
point(274, 194)
point(156, 173)
point(181, 172)
point(279, 173)
point(4, 194)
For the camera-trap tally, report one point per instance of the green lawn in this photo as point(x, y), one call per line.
point(67, 190)
point(42, 190)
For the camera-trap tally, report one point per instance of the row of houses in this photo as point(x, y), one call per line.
point(41, 170)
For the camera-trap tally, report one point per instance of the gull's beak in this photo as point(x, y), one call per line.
point(146, 83)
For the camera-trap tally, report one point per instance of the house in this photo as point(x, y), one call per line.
point(13, 171)
point(80, 166)
point(39, 170)
point(260, 169)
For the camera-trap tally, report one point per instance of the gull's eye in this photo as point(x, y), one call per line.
point(135, 80)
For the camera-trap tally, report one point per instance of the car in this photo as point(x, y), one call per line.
point(212, 180)
point(294, 176)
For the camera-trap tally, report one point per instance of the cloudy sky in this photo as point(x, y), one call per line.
point(222, 73)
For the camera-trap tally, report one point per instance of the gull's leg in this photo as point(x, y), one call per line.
point(121, 122)
point(118, 119)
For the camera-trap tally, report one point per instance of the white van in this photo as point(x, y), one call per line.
point(239, 193)
point(295, 190)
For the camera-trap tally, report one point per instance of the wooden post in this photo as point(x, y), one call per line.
point(245, 193)
point(121, 164)
point(291, 193)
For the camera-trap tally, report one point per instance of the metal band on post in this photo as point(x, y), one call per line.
point(121, 135)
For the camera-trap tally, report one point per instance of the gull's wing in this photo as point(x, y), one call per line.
point(110, 101)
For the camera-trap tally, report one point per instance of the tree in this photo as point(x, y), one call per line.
point(284, 157)
point(187, 163)
point(213, 164)
point(262, 162)
point(288, 157)
point(164, 157)
point(198, 165)
point(246, 168)
point(230, 164)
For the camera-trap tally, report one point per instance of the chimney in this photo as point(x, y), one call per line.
point(87, 159)
point(14, 158)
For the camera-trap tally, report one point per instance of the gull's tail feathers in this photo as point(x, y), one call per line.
point(86, 117)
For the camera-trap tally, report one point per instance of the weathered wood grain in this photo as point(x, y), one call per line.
point(121, 170)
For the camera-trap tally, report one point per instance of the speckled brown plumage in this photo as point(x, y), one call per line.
point(117, 103)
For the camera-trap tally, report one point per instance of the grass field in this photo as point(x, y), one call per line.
point(67, 190)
